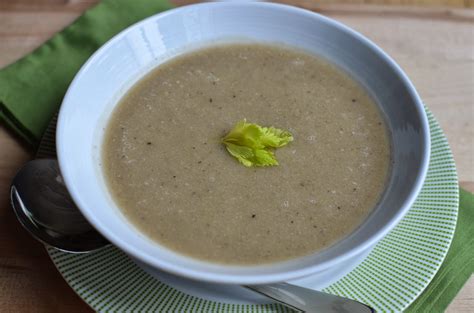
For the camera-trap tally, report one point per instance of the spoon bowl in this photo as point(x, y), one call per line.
point(43, 206)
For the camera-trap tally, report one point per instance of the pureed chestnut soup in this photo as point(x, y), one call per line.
point(172, 177)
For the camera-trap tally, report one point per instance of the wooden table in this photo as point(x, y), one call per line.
point(434, 45)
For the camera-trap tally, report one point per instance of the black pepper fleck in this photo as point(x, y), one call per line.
point(338, 207)
point(253, 215)
point(174, 176)
point(210, 100)
point(148, 143)
point(292, 222)
point(354, 189)
point(194, 148)
point(233, 96)
point(199, 162)
point(354, 100)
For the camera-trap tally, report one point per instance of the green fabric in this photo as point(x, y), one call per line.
point(456, 268)
point(31, 91)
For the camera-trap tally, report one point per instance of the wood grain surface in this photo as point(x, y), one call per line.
point(432, 40)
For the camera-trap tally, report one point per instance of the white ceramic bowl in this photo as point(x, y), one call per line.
point(135, 51)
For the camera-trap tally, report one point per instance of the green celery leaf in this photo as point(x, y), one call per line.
point(252, 144)
point(276, 138)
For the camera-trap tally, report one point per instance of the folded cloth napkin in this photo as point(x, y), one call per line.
point(31, 91)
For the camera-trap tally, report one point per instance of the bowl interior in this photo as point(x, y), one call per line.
point(128, 56)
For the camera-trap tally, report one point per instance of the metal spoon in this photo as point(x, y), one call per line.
point(43, 206)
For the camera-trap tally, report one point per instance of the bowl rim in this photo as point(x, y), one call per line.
point(67, 172)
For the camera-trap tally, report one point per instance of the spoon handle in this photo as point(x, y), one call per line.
point(308, 300)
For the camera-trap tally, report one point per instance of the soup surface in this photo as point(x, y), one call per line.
point(172, 177)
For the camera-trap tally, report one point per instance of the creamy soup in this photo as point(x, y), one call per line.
point(173, 179)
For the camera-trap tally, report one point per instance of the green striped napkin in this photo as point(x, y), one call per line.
point(31, 91)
